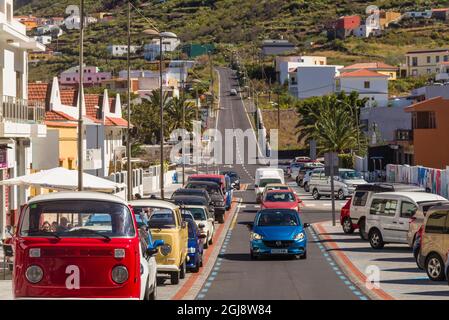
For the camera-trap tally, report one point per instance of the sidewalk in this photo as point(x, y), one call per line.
point(400, 278)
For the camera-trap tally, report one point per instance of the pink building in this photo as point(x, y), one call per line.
point(92, 76)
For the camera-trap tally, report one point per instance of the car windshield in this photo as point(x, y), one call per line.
point(276, 188)
point(350, 175)
point(162, 219)
point(191, 201)
point(264, 182)
point(197, 192)
point(212, 189)
point(216, 180)
point(197, 213)
point(280, 197)
point(278, 218)
point(77, 219)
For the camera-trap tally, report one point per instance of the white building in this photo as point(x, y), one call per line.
point(20, 121)
point(284, 64)
point(369, 84)
point(152, 50)
point(120, 50)
point(443, 71)
point(43, 39)
point(312, 81)
point(366, 31)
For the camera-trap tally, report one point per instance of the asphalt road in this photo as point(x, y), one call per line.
point(237, 277)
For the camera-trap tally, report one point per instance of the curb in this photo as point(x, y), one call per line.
point(351, 271)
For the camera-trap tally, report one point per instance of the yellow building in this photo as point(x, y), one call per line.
point(387, 17)
point(379, 67)
point(423, 62)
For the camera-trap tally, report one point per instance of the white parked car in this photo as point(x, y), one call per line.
point(391, 214)
point(344, 183)
point(205, 221)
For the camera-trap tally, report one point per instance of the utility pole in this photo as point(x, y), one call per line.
point(183, 130)
point(128, 142)
point(161, 93)
point(212, 82)
point(81, 100)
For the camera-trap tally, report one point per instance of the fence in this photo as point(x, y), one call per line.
point(434, 180)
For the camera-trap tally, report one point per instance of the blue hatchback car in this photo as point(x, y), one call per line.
point(278, 232)
point(196, 247)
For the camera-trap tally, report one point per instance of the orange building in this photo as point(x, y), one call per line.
point(430, 123)
point(29, 21)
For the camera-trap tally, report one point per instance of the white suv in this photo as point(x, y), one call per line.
point(390, 216)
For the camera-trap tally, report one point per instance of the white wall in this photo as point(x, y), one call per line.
point(313, 81)
point(378, 88)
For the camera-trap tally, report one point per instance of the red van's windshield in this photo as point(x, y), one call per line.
point(77, 219)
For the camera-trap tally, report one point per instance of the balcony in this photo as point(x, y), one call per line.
point(20, 118)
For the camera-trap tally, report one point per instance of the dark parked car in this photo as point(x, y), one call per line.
point(235, 178)
point(216, 195)
point(186, 200)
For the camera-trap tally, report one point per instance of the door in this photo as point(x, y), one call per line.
point(384, 211)
point(358, 206)
point(407, 211)
point(325, 184)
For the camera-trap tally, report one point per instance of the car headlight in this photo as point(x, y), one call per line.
point(299, 236)
point(256, 236)
point(166, 249)
point(192, 250)
point(119, 274)
point(34, 274)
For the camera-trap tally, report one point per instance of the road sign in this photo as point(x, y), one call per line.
point(330, 159)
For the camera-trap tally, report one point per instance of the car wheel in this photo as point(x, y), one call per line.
point(146, 295)
point(341, 195)
point(174, 277)
point(306, 187)
point(375, 239)
point(316, 195)
point(182, 273)
point(252, 255)
point(435, 267)
point(201, 261)
point(196, 269)
point(298, 182)
point(347, 226)
point(362, 232)
point(206, 243)
point(211, 241)
point(153, 295)
point(304, 256)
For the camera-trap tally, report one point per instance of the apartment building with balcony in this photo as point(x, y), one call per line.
point(424, 62)
point(430, 132)
point(20, 120)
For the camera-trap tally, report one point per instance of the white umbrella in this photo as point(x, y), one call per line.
point(63, 179)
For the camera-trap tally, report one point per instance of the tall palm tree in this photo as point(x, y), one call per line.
point(155, 102)
point(175, 114)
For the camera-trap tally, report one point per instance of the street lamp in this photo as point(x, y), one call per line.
point(161, 35)
point(80, 100)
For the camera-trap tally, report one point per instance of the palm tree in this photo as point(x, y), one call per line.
point(334, 131)
point(155, 102)
point(175, 110)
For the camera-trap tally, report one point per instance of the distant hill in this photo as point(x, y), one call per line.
point(243, 23)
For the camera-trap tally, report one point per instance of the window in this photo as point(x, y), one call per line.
point(360, 198)
point(383, 207)
point(408, 209)
point(437, 59)
point(446, 58)
point(429, 71)
point(436, 222)
point(414, 61)
point(367, 85)
point(67, 79)
point(424, 120)
point(428, 59)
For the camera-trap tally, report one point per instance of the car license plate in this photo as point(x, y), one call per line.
point(279, 251)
